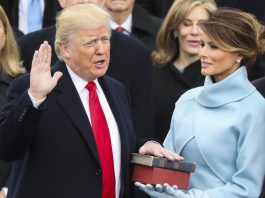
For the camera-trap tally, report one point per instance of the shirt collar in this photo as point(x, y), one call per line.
point(127, 25)
point(79, 82)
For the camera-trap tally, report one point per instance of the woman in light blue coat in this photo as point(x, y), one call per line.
point(221, 126)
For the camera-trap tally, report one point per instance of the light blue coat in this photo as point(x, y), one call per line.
point(221, 126)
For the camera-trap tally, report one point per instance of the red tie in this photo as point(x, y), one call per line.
point(120, 29)
point(102, 137)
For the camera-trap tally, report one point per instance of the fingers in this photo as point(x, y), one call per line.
point(159, 188)
point(150, 187)
point(159, 151)
point(171, 155)
point(42, 57)
point(139, 185)
point(57, 75)
point(146, 188)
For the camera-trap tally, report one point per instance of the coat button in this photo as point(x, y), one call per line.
point(98, 172)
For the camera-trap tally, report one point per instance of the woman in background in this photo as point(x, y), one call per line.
point(176, 59)
point(10, 67)
point(221, 125)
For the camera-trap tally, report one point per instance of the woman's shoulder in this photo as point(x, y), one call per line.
point(190, 94)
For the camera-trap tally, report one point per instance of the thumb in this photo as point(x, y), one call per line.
point(57, 75)
point(171, 191)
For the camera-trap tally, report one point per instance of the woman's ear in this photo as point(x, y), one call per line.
point(239, 59)
point(175, 34)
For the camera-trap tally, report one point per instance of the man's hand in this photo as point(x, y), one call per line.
point(41, 81)
point(2, 194)
point(152, 148)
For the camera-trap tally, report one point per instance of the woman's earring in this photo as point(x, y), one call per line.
point(175, 34)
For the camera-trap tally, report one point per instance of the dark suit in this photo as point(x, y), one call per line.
point(5, 81)
point(170, 84)
point(260, 86)
point(157, 8)
point(53, 147)
point(145, 26)
point(130, 63)
point(51, 8)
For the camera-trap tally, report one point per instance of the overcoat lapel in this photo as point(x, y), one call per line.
point(70, 102)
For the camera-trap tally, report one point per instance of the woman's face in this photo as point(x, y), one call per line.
point(188, 31)
point(2, 36)
point(215, 61)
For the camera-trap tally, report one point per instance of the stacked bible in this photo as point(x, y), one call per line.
point(156, 170)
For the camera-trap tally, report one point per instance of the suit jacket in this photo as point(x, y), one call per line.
point(5, 81)
point(145, 26)
point(260, 85)
point(255, 7)
point(51, 8)
point(130, 63)
point(53, 149)
point(157, 8)
point(170, 84)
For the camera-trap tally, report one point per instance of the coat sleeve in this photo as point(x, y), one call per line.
point(18, 118)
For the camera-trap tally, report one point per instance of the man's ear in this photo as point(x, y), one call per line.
point(64, 50)
point(62, 3)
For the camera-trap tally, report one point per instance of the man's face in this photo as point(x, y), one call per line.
point(88, 52)
point(66, 3)
point(119, 5)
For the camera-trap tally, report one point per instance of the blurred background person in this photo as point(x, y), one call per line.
point(157, 8)
point(221, 125)
point(178, 67)
point(30, 15)
point(10, 67)
point(131, 19)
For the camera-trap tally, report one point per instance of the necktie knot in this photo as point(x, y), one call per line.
point(120, 29)
point(91, 86)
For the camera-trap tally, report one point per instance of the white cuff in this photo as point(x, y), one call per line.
point(35, 103)
point(5, 190)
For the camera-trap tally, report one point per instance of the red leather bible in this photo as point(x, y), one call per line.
point(154, 170)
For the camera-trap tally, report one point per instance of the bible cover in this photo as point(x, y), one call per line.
point(154, 175)
point(160, 162)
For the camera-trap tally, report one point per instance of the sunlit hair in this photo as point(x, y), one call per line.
point(78, 17)
point(233, 30)
point(167, 44)
point(10, 58)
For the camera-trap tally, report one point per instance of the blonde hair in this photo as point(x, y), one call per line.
point(168, 46)
point(10, 57)
point(233, 30)
point(79, 16)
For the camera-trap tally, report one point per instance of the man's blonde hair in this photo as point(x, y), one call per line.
point(76, 17)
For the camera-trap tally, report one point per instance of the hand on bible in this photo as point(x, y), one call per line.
point(41, 80)
point(155, 149)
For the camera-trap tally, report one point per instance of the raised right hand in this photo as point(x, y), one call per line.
point(41, 81)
